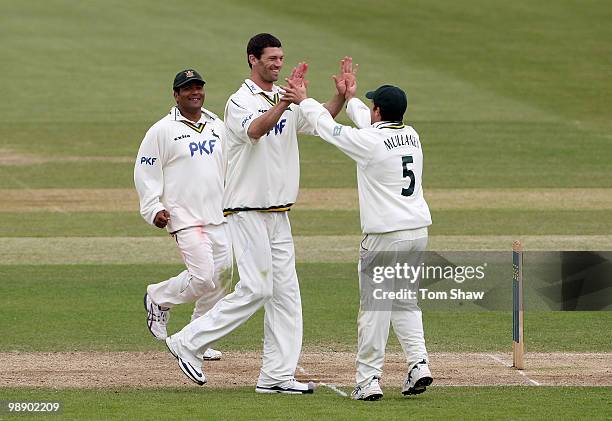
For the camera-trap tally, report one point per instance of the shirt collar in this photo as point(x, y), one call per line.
point(255, 89)
point(388, 125)
point(176, 115)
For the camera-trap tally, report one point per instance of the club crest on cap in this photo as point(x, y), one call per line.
point(185, 76)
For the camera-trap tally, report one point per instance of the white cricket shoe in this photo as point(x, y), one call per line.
point(193, 373)
point(291, 387)
point(419, 377)
point(369, 392)
point(157, 318)
point(212, 355)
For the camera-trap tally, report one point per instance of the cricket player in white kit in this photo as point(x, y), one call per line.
point(179, 179)
point(394, 218)
point(261, 186)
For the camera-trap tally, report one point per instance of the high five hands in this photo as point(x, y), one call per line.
point(296, 81)
point(346, 81)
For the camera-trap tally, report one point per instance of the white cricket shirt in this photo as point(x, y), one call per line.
point(264, 173)
point(389, 166)
point(179, 168)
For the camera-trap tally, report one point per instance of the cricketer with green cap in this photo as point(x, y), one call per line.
point(394, 220)
point(179, 179)
point(391, 99)
point(185, 76)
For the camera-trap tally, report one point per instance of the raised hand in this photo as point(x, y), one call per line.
point(295, 91)
point(339, 79)
point(350, 75)
point(298, 72)
point(297, 78)
point(347, 80)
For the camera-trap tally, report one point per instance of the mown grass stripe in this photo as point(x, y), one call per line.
point(10, 157)
point(330, 249)
point(115, 200)
point(319, 222)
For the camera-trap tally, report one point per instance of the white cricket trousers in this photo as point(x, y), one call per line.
point(263, 248)
point(207, 254)
point(373, 325)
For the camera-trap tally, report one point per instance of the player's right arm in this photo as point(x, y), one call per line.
point(265, 122)
point(243, 122)
point(149, 180)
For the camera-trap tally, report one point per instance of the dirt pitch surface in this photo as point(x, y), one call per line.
point(90, 370)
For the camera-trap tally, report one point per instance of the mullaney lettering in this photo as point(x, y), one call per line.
point(402, 140)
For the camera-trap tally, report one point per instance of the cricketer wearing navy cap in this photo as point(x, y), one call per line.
point(185, 76)
point(391, 101)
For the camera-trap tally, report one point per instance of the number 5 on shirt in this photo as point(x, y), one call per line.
point(408, 173)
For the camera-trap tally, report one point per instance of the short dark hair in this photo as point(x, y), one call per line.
point(257, 44)
point(387, 115)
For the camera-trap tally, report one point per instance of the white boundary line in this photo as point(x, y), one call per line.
point(521, 372)
point(533, 382)
point(499, 360)
point(329, 386)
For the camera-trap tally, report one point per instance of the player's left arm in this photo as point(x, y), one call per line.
point(347, 76)
point(359, 113)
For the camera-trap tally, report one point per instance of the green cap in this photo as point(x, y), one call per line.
point(185, 76)
point(389, 98)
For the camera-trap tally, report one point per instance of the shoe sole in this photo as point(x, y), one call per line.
point(185, 367)
point(276, 389)
point(211, 358)
point(419, 387)
point(150, 322)
point(373, 397)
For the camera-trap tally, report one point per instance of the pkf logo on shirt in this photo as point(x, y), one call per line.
point(148, 160)
point(201, 147)
point(278, 127)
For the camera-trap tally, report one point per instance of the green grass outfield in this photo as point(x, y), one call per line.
point(517, 403)
point(99, 308)
point(504, 96)
point(317, 222)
